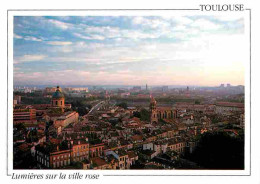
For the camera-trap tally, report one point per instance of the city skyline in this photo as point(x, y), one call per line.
point(129, 50)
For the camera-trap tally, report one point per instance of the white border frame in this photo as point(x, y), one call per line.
point(166, 12)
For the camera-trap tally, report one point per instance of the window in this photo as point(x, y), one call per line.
point(61, 102)
point(56, 102)
point(53, 158)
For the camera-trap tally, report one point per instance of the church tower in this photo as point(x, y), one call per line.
point(153, 110)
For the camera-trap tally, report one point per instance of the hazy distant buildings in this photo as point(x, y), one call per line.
point(164, 88)
point(227, 107)
point(76, 90)
point(50, 89)
point(137, 88)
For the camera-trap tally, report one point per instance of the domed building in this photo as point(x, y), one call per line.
point(58, 99)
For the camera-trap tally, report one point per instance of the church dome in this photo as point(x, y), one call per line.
point(58, 93)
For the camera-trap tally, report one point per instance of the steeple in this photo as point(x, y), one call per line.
point(153, 109)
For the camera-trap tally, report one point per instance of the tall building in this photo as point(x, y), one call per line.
point(153, 110)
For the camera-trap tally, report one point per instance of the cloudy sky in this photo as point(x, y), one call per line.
point(129, 50)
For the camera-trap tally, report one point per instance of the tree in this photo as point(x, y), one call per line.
point(82, 111)
point(20, 127)
point(137, 114)
point(123, 105)
point(197, 102)
point(219, 150)
point(144, 115)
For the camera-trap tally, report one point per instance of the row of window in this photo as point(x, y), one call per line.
point(96, 149)
point(43, 161)
point(61, 163)
point(56, 102)
point(123, 158)
point(80, 153)
point(58, 157)
point(82, 147)
point(177, 145)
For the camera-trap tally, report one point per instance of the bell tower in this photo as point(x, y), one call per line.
point(153, 110)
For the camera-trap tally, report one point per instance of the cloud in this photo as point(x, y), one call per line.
point(229, 17)
point(58, 43)
point(60, 24)
point(150, 22)
point(127, 50)
point(28, 58)
point(205, 25)
point(32, 38)
point(90, 37)
point(17, 36)
point(28, 38)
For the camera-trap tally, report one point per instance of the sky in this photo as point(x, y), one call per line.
point(129, 50)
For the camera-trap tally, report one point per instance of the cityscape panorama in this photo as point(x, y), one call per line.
point(129, 92)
